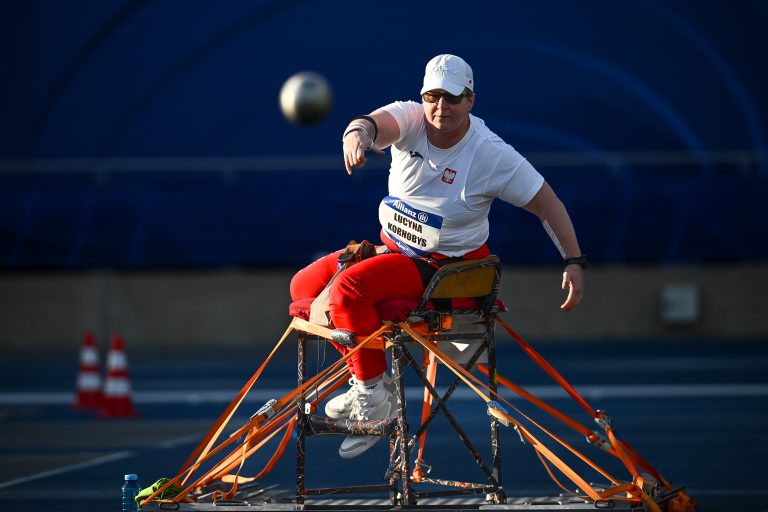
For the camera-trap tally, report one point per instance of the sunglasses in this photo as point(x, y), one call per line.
point(434, 97)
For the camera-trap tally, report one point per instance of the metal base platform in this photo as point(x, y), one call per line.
point(442, 504)
point(254, 497)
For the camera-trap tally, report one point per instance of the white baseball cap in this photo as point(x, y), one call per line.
point(448, 72)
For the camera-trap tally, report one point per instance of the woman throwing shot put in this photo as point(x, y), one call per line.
point(447, 168)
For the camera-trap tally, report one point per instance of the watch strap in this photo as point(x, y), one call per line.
point(577, 260)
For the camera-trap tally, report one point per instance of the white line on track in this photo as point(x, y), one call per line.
point(658, 391)
point(180, 441)
point(171, 443)
point(66, 469)
point(726, 492)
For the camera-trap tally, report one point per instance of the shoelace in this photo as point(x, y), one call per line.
point(352, 392)
point(361, 408)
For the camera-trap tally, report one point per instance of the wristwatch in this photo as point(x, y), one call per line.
point(578, 260)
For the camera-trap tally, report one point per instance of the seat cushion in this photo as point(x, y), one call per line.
point(396, 310)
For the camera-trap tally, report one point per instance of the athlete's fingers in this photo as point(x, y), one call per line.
point(360, 155)
point(566, 306)
point(354, 146)
point(354, 162)
point(349, 160)
point(572, 279)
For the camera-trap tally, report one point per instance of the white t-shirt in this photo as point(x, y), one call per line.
point(439, 199)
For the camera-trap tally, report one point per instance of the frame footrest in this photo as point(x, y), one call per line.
point(354, 489)
point(321, 425)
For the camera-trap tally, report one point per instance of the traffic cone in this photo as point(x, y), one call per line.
point(117, 402)
point(88, 394)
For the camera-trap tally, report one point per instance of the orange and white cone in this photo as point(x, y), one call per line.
point(88, 394)
point(118, 402)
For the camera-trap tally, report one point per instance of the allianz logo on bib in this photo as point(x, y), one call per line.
point(448, 175)
point(420, 216)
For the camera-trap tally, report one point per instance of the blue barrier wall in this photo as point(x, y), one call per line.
point(667, 99)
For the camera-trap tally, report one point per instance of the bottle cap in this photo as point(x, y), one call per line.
point(132, 476)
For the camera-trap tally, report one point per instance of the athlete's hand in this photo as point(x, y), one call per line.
point(573, 280)
point(355, 145)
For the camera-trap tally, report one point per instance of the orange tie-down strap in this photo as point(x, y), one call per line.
point(430, 364)
point(336, 381)
point(621, 450)
point(591, 436)
point(252, 429)
point(682, 501)
point(634, 490)
point(264, 435)
point(255, 440)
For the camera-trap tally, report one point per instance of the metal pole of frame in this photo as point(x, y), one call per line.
point(490, 323)
point(301, 422)
point(402, 425)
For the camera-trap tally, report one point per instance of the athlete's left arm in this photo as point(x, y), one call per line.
point(553, 215)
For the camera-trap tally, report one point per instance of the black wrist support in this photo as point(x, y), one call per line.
point(578, 260)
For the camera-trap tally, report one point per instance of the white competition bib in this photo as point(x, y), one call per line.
point(414, 231)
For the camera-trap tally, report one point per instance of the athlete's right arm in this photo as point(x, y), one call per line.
point(359, 137)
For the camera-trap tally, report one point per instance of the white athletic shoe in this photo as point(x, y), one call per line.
point(340, 406)
point(373, 403)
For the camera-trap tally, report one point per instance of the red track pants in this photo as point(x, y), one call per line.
point(353, 297)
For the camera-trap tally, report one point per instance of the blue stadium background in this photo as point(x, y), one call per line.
point(146, 134)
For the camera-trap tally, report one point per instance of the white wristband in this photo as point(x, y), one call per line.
point(359, 124)
point(354, 127)
point(351, 129)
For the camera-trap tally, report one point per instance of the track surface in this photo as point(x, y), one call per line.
point(696, 410)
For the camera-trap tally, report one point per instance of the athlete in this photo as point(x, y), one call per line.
point(447, 168)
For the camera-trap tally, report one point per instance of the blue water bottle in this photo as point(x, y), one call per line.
point(130, 490)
